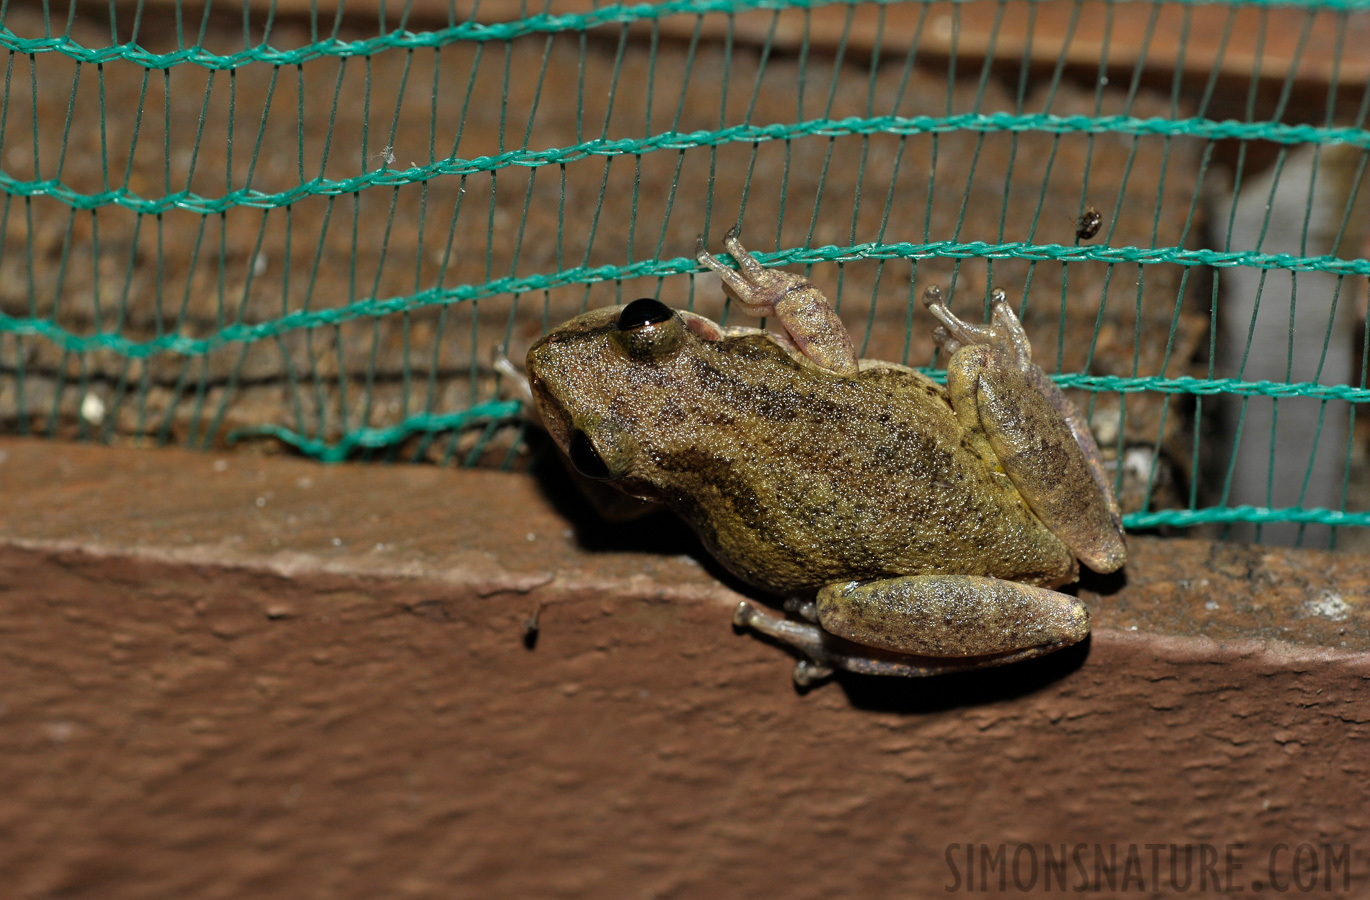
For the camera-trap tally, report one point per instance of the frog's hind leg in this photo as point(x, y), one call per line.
point(1008, 404)
point(822, 653)
point(919, 626)
point(806, 314)
point(952, 616)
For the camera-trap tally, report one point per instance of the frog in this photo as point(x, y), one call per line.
point(913, 528)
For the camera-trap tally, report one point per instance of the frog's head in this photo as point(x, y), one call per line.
point(598, 379)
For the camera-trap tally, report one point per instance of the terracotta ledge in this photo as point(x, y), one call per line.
point(227, 675)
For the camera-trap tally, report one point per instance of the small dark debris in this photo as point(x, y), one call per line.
point(1089, 223)
point(531, 628)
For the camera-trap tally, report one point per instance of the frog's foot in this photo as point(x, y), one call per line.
point(758, 289)
point(807, 639)
point(1004, 331)
point(806, 314)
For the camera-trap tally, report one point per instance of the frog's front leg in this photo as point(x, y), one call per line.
point(807, 315)
point(970, 621)
point(1006, 402)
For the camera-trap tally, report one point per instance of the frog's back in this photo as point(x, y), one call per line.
point(796, 478)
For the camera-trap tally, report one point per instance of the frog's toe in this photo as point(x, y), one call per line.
point(807, 673)
point(702, 254)
point(946, 341)
point(1009, 329)
point(805, 608)
point(802, 635)
point(771, 281)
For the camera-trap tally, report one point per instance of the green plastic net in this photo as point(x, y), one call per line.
point(311, 227)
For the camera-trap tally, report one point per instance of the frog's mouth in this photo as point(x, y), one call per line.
point(556, 420)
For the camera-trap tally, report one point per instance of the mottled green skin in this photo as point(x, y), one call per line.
point(794, 477)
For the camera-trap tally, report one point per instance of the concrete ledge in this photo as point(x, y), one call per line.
point(234, 676)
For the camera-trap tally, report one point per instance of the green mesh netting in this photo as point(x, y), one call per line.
point(313, 226)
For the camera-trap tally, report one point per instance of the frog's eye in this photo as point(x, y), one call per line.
point(648, 330)
point(586, 458)
point(644, 311)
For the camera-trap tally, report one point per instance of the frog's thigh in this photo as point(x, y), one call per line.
point(1039, 452)
point(952, 615)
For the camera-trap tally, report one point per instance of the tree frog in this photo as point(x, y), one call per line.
point(916, 529)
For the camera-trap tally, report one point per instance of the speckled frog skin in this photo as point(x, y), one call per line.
point(930, 521)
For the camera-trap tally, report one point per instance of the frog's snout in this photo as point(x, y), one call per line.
point(555, 418)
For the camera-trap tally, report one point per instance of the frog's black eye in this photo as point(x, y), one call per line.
point(645, 311)
point(586, 458)
point(649, 331)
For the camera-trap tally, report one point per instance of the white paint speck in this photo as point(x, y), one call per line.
point(337, 542)
point(259, 265)
point(261, 501)
point(1138, 462)
point(221, 465)
point(1211, 604)
point(1329, 605)
point(92, 409)
point(1104, 425)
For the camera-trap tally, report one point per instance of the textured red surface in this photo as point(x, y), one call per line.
point(213, 682)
